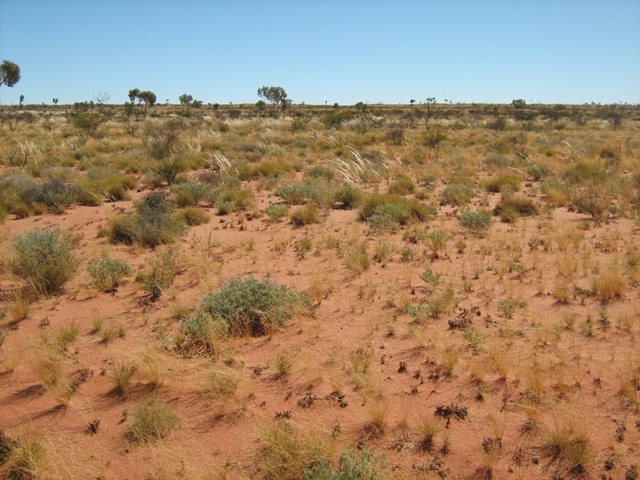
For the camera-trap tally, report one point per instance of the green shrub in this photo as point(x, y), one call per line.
point(234, 199)
point(190, 194)
point(44, 259)
point(108, 274)
point(457, 195)
point(593, 201)
point(161, 272)
point(386, 209)
point(153, 224)
point(351, 466)
point(475, 221)
point(152, 420)
point(306, 215)
point(55, 194)
point(275, 212)
point(246, 306)
point(347, 197)
point(301, 193)
point(166, 170)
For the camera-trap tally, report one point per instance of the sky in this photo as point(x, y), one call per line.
point(344, 51)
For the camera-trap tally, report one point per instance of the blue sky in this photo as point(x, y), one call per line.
point(550, 51)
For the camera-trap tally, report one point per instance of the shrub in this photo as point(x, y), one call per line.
point(44, 259)
point(306, 215)
point(347, 197)
point(152, 420)
point(351, 466)
point(104, 183)
point(233, 199)
point(593, 201)
point(301, 193)
point(190, 194)
point(108, 274)
point(475, 221)
point(161, 272)
point(246, 306)
point(276, 212)
point(395, 209)
point(55, 194)
point(456, 195)
point(152, 225)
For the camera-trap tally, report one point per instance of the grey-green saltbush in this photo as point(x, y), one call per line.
point(246, 306)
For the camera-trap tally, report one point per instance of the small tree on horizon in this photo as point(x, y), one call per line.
point(9, 73)
point(275, 96)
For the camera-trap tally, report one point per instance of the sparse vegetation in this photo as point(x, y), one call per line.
point(483, 256)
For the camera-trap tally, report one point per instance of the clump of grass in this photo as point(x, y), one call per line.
point(512, 207)
point(306, 215)
point(193, 216)
point(246, 306)
point(288, 449)
point(593, 201)
point(456, 195)
point(608, 284)
point(365, 466)
point(347, 197)
point(44, 259)
point(24, 457)
point(427, 429)
point(301, 193)
point(192, 193)
point(234, 199)
point(276, 212)
point(121, 376)
point(161, 272)
point(152, 421)
point(402, 185)
point(477, 222)
point(568, 443)
point(153, 224)
point(386, 210)
point(47, 361)
point(502, 182)
point(108, 274)
point(437, 242)
point(220, 384)
point(357, 258)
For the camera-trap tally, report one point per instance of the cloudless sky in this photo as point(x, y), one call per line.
point(345, 51)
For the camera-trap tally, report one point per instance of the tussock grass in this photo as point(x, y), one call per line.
point(152, 421)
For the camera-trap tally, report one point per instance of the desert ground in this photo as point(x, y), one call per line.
point(331, 292)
